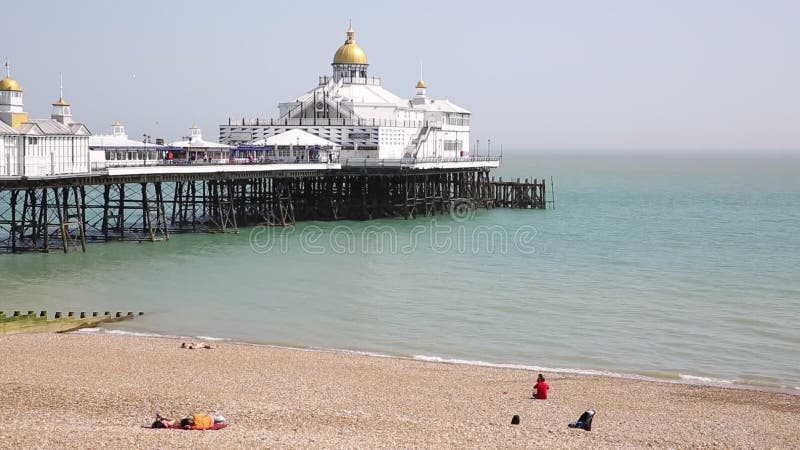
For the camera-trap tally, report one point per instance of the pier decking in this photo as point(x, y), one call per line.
point(148, 203)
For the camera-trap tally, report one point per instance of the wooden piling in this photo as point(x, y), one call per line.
point(64, 214)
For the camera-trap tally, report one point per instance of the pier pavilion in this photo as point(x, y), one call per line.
point(194, 148)
point(353, 110)
point(118, 150)
point(291, 146)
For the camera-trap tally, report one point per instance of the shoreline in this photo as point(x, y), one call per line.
point(85, 390)
point(681, 379)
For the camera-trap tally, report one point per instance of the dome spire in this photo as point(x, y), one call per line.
point(61, 101)
point(61, 111)
point(8, 83)
point(351, 34)
point(421, 83)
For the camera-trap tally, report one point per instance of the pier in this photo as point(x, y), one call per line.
point(149, 203)
point(346, 149)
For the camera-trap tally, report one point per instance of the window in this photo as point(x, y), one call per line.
point(33, 140)
point(452, 146)
point(458, 119)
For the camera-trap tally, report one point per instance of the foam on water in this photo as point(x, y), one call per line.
point(118, 332)
point(125, 332)
point(705, 380)
point(211, 338)
point(562, 370)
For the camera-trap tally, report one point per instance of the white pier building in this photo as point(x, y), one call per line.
point(351, 109)
point(117, 149)
point(39, 147)
point(194, 148)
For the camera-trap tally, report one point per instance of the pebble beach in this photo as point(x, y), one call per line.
point(98, 391)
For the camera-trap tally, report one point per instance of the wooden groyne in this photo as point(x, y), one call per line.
point(59, 323)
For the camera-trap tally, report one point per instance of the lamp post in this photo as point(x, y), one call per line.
point(145, 141)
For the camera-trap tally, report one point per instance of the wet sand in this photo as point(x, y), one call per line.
point(97, 391)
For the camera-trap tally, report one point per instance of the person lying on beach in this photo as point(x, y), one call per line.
point(540, 388)
point(193, 346)
point(193, 422)
point(197, 422)
point(163, 422)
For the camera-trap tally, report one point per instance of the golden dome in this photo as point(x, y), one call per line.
point(350, 52)
point(421, 84)
point(61, 102)
point(10, 84)
point(117, 124)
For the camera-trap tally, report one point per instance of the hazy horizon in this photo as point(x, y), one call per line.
point(577, 75)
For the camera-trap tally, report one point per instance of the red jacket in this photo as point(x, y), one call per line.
point(541, 390)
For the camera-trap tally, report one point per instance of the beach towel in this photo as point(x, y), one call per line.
point(217, 426)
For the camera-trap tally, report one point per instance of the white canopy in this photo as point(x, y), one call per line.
point(198, 144)
point(295, 137)
point(110, 141)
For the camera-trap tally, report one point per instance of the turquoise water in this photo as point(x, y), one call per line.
point(666, 265)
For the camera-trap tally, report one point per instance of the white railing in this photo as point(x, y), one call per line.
point(372, 80)
point(411, 162)
point(103, 165)
point(311, 121)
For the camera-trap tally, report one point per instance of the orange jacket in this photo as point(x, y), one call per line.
point(202, 422)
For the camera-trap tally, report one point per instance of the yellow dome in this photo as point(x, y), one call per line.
point(421, 84)
point(10, 84)
point(61, 102)
point(350, 52)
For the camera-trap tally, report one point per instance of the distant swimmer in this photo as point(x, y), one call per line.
point(540, 388)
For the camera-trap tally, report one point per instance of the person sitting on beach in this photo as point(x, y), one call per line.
point(541, 387)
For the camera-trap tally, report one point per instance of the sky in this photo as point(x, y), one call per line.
point(569, 74)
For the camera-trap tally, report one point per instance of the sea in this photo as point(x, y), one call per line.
point(678, 266)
